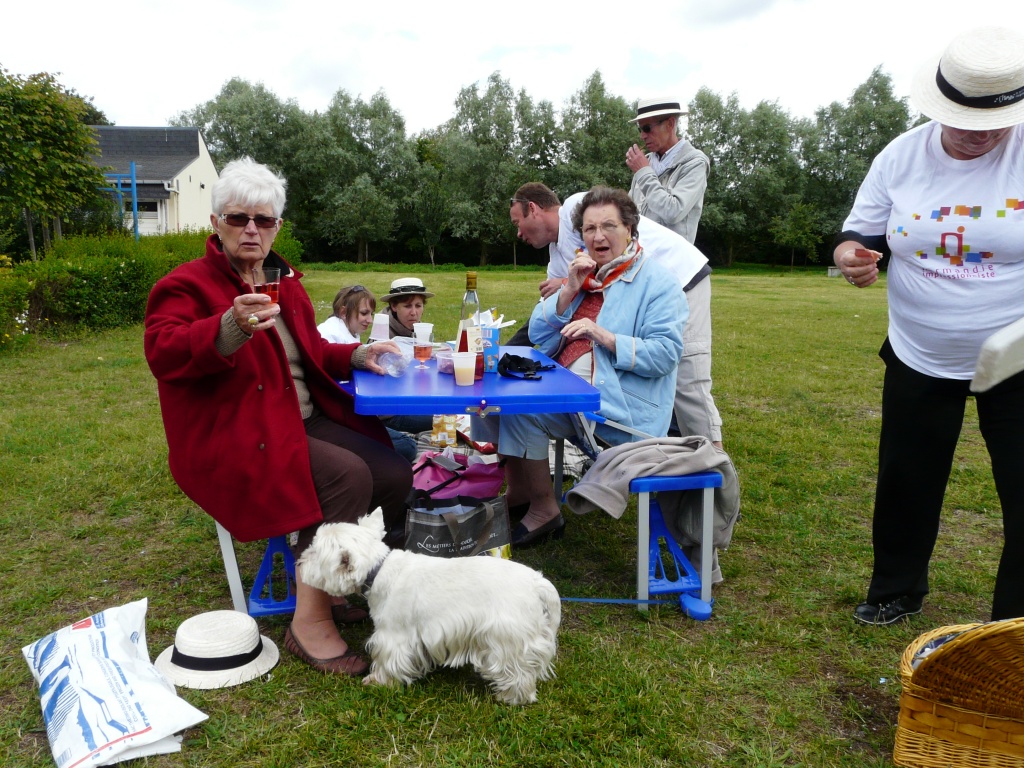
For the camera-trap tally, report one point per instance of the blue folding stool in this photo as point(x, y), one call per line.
point(669, 571)
point(273, 591)
point(654, 576)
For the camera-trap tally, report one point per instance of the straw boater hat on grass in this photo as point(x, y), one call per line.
point(217, 649)
point(977, 84)
point(406, 286)
point(656, 108)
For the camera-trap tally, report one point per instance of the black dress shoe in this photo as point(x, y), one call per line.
point(524, 539)
point(887, 613)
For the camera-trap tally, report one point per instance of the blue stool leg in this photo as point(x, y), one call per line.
point(265, 581)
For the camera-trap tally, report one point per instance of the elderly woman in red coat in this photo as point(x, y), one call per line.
point(259, 433)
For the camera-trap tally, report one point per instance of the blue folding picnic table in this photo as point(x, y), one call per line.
point(428, 392)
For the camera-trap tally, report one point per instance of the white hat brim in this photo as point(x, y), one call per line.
point(928, 99)
point(225, 678)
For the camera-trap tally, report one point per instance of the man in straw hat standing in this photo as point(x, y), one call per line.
point(670, 179)
point(947, 198)
point(668, 187)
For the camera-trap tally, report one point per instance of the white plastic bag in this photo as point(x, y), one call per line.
point(103, 701)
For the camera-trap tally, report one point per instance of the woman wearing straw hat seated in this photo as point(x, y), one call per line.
point(259, 433)
point(945, 197)
point(406, 301)
point(617, 322)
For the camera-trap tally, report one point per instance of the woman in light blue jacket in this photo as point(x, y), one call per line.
point(617, 322)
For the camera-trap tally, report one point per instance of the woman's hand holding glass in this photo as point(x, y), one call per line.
point(254, 312)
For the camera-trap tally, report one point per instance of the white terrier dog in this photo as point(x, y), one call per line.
point(500, 616)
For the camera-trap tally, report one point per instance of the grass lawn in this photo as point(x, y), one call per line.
point(780, 676)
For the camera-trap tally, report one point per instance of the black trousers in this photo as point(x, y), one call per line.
point(921, 421)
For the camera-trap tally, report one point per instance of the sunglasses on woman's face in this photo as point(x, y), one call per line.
point(650, 126)
point(243, 219)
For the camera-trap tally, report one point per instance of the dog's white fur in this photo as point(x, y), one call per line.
point(498, 615)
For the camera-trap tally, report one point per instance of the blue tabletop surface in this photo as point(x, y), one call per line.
point(429, 392)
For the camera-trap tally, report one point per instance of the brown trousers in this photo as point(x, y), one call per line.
point(353, 475)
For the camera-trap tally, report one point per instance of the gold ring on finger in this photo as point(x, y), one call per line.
point(254, 321)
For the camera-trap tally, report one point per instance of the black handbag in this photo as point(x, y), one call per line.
point(519, 367)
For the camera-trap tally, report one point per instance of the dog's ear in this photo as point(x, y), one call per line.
point(374, 522)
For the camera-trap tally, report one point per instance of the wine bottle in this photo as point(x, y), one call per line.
point(469, 315)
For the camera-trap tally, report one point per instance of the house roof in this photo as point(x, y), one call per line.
point(160, 154)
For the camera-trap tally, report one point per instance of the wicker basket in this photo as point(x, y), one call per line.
point(964, 704)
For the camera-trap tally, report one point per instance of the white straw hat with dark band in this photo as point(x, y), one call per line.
point(406, 286)
point(977, 83)
point(217, 649)
point(646, 108)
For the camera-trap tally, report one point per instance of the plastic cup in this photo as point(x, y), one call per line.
point(465, 367)
point(381, 330)
point(424, 332)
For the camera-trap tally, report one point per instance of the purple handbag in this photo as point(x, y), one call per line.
point(437, 476)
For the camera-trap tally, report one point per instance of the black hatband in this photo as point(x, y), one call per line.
point(215, 663)
point(658, 107)
point(977, 102)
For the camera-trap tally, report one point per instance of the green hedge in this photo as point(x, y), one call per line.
point(88, 283)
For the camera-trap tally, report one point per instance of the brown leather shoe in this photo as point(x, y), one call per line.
point(349, 663)
point(346, 613)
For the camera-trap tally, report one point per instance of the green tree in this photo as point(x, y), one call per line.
point(360, 148)
point(46, 151)
point(358, 213)
point(754, 174)
point(798, 228)
point(479, 149)
point(247, 120)
point(715, 128)
point(838, 147)
point(431, 203)
point(596, 133)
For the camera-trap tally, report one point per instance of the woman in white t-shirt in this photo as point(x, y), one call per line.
point(353, 307)
point(946, 199)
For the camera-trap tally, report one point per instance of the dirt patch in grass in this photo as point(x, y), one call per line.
point(863, 714)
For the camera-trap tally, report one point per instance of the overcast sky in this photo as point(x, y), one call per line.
point(144, 62)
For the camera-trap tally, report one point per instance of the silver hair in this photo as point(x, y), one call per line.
point(247, 183)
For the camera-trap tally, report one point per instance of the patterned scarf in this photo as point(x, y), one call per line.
point(590, 307)
point(611, 271)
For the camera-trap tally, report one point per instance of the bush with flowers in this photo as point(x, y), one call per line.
point(13, 306)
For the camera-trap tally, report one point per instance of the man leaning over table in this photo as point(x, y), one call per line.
point(541, 220)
